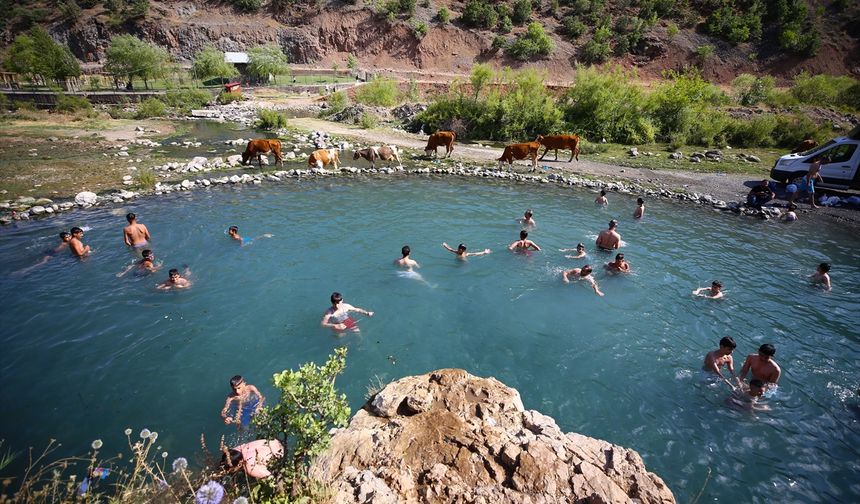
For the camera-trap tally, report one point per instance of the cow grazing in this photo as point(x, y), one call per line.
point(441, 139)
point(520, 151)
point(805, 146)
point(556, 142)
point(324, 157)
point(259, 148)
point(385, 153)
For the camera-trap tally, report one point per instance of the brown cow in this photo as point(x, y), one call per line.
point(805, 146)
point(520, 151)
point(557, 142)
point(385, 153)
point(324, 157)
point(259, 148)
point(441, 139)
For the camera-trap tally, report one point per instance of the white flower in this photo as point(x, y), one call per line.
point(153, 436)
point(97, 444)
point(145, 434)
point(180, 464)
point(128, 432)
point(240, 500)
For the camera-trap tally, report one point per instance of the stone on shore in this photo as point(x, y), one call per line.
point(448, 436)
point(86, 198)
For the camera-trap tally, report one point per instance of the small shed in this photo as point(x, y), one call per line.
point(237, 59)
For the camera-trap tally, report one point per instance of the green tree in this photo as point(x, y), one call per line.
point(481, 75)
point(37, 54)
point(308, 408)
point(351, 62)
point(444, 15)
point(267, 60)
point(128, 57)
point(22, 56)
point(522, 11)
point(533, 43)
point(209, 64)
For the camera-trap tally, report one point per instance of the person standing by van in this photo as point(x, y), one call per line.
point(807, 183)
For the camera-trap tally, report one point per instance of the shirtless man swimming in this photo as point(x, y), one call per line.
point(65, 238)
point(406, 262)
point(762, 365)
point(523, 244)
point(145, 265)
point(580, 251)
point(715, 291)
point(619, 265)
point(248, 401)
point(76, 245)
point(583, 273)
point(337, 316)
point(821, 276)
point(609, 239)
point(175, 281)
point(526, 221)
point(640, 209)
point(135, 235)
point(716, 359)
point(461, 251)
point(601, 199)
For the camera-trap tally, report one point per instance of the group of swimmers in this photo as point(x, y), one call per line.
point(764, 370)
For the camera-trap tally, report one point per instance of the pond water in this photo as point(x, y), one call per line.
point(87, 354)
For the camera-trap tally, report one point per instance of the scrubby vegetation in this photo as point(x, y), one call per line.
point(381, 91)
point(533, 44)
point(269, 119)
point(184, 100)
point(151, 107)
point(73, 104)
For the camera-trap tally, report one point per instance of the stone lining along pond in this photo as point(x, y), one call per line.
point(88, 354)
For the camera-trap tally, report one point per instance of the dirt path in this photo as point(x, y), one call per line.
point(727, 187)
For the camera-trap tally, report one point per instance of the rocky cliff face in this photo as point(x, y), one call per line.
point(450, 437)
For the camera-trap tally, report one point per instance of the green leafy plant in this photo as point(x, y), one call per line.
point(128, 57)
point(521, 11)
point(368, 121)
point(444, 15)
point(151, 107)
point(267, 60)
point(381, 91)
point(479, 14)
point(573, 28)
point(184, 100)
point(672, 31)
point(420, 29)
point(209, 63)
point(337, 101)
point(752, 90)
point(351, 62)
point(71, 104)
point(225, 97)
point(533, 44)
point(247, 5)
point(146, 179)
point(597, 50)
point(270, 119)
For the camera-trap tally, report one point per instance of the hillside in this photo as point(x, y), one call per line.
point(722, 37)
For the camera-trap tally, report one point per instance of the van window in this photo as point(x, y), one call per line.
point(840, 153)
point(817, 148)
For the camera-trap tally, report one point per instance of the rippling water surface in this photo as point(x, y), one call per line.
point(87, 354)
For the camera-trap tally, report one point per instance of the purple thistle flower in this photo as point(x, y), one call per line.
point(210, 493)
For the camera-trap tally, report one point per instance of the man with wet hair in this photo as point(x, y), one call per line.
point(716, 359)
point(337, 318)
point(609, 239)
point(135, 235)
point(762, 365)
point(461, 251)
point(583, 273)
point(76, 245)
point(405, 261)
point(640, 209)
point(822, 276)
point(247, 398)
point(175, 281)
point(526, 221)
point(715, 291)
point(619, 265)
point(523, 244)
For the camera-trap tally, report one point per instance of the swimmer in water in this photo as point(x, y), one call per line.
point(583, 273)
point(580, 251)
point(76, 245)
point(405, 261)
point(762, 365)
point(609, 239)
point(461, 251)
point(619, 265)
point(337, 316)
point(715, 291)
point(601, 199)
point(523, 244)
point(526, 221)
point(175, 280)
point(822, 276)
point(746, 399)
point(248, 401)
point(65, 238)
point(791, 214)
point(145, 265)
point(135, 235)
point(233, 232)
point(716, 359)
point(640, 209)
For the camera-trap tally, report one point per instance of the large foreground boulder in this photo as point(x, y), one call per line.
point(450, 437)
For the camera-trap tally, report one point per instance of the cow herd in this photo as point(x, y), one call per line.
point(321, 158)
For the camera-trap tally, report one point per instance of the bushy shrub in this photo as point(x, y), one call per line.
point(752, 90)
point(381, 91)
point(146, 179)
point(532, 44)
point(337, 101)
point(151, 107)
point(675, 104)
point(247, 5)
point(270, 119)
point(522, 11)
point(735, 25)
point(71, 104)
point(444, 15)
point(420, 29)
point(479, 14)
point(573, 28)
point(825, 90)
point(368, 121)
point(500, 42)
point(184, 100)
point(790, 130)
point(225, 97)
point(597, 50)
point(755, 132)
point(800, 39)
point(505, 25)
point(672, 31)
point(849, 97)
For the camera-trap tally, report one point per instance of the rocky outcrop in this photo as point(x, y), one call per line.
point(450, 437)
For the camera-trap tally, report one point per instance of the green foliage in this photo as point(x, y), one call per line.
point(499, 42)
point(753, 132)
point(505, 24)
point(209, 63)
point(151, 107)
point(36, 53)
point(247, 5)
point(607, 105)
point(129, 57)
point(270, 119)
point(70, 10)
point(682, 101)
point(597, 50)
point(752, 90)
point(826, 90)
point(522, 11)
point(736, 24)
point(573, 28)
point(420, 29)
point(790, 130)
point(381, 92)
point(368, 121)
point(71, 104)
point(225, 97)
point(267, 60)
point(123, 10)
point(704, 52)
point(586, 147)
point(5, 104)
point(184, 100)
point(480, 76)
point(412, 93)
point(351, 62)
point(146, 179)
point(532, 44)
point(479, 14)
point(444, 15)
point(672, 31)
point(800, 39)
point(337, 101)
point(396, 7)
point(308, 408)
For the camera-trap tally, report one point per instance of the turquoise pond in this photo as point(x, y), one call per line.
point(87, 354)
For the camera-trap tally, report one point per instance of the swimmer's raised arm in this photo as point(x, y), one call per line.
point(448, 248)
point(126, 270)
point(484, 252)
point(594, 286)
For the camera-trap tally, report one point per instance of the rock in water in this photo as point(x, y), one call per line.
point(448, 436)
point(86, 198)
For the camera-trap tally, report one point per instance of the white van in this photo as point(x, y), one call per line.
point(843, 170)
